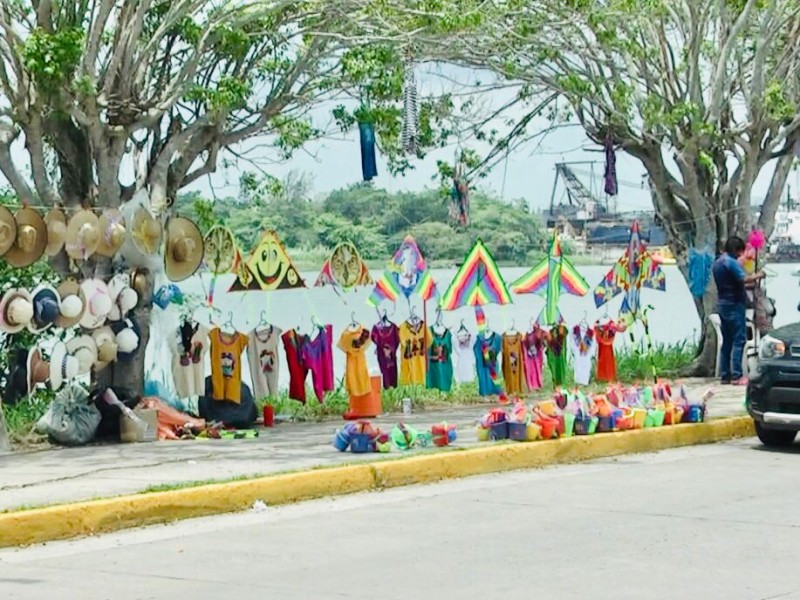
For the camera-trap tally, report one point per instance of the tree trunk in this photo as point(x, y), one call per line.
point(130, 375)
point(5, 445)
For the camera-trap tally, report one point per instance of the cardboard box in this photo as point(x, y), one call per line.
point(130, 432)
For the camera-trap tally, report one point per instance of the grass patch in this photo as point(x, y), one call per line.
point(22, 417)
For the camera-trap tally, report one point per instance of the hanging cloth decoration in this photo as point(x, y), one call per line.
point(220, 255)
point(409, 135)
point(459, 197)
point(553, 275)
point(369, 165)
point(405, 274)
point(610, 175)
point(699, 265)
point(268, 268)
point(635, 269)
point(344, 268)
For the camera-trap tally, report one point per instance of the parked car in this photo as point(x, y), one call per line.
point(773, 394)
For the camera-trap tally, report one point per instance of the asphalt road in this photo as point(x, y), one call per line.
point(706, 522)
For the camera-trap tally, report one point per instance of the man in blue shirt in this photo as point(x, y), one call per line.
point(731, 300)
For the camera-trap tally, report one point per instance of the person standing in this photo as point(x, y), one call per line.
point(731, 278)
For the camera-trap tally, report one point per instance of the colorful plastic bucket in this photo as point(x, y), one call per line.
point(549, 428)
point(341, 441)
point(639, 416)
point(568, 420)
point(547, 407)
point(655, 418)
point(593, 425)
point(532, 432)
point(361, 444)
point(383, 447)
point(518, 432)
point(606, 424)
point(483, 434)
point(499, 431)
point(582, 425)
point(694, 414)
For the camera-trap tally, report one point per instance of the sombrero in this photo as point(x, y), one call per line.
point(219, 249)
point(63, 366)
point(8, 230)
point(184, 249)
point(56, 231)
point(84, 348)
point(106, 343)
point(146, 231)
point(140, 284)
point(16, 310)
point(46, 308)
point(73, 304)
point(112, 232)
point(31, 239)
point(98, 303)
point(83, 235)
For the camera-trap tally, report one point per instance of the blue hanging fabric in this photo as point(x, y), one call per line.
point(369, 165)
point(699, 271)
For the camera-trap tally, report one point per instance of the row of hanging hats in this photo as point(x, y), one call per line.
point(26, 236)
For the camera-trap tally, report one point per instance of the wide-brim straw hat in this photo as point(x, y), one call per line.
point(84, 348)
point(141, 285)
point(38, 369)
point(56, 223)
point(106, 343)
point(219, 251)
point(83, 235)
point(112, 232)
point(67, 289)
point(184, 251)
point(8, 230)
point(63, 366)
point(31, 239)
point(146, 232)
point(98, 303)
point(46, 308)
point(16, 310)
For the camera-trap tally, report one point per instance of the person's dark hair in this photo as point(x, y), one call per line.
point(734, 245)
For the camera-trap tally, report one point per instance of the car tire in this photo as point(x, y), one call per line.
point(775, 438)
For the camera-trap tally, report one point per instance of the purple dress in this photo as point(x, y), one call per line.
point(315, 356)
point(387, 341)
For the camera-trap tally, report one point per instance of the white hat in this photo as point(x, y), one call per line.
point(129, 339)
point(123, 297)
point(16, 310)
point(98, 303)
point(84, 348)
point(63, 367)
point(106, 346)
point(73, 304)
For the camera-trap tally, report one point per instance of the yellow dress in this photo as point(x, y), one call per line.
point(354, 343)
point(226, 365)
point(413, 344)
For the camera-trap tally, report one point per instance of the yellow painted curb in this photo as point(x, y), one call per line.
point(98, 516)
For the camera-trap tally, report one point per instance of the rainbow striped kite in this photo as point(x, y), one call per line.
point(477, 282)
point(553, 275)
point(406, 273)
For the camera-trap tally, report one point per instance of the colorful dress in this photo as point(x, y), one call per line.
point(606, 361)
point(557, 353)
point(583, 347)
point(513, 371)
point(313, 356)
point(354, 342)
point(293, 343)
point(188, 364)
point(226, 365)
point(534, 344)
point(465, 357)
point(413, 341)
point(440, 363)
point(263, 358)
point(387, 340)
point(486, 350)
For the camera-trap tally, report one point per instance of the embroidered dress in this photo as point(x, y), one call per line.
point(292, 344)
point(513, 371)
point(606, 361)
point(465, 357)
point(387, 341)
point(534, 344)
point(583, 347)
point(413, 341)
point(557, 353)
point(440, 363)
point(487, 350)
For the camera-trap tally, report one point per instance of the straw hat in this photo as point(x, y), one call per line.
point(219, 249)
point(84, 348)
point(184, 249)
point(31, 239)
point(146, 232)
point(46, 308)
point(123, 297)
point(63, 366)
point(83, 235)
point(73, 304)
point(98, 303)
point(112, 230)
point(129, 339)
point(140, 284)
point(56, 231)
point(38, 369)
point(8, 230)
point(106, 343)
point(16, 310)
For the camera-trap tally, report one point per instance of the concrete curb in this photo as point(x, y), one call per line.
point(99, 516)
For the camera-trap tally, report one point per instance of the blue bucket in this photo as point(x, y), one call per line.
point(518, 432)
point(499, 431)
point(694, 414)
point(341, 441)
point(361, 444)
point(452, 435)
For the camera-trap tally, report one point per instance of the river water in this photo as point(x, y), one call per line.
point(673, 318)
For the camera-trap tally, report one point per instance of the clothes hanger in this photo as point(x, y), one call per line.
point(512, 330)
point(354, 325)
point(229, 323)
point(462, 327)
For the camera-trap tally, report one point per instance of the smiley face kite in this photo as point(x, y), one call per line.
point(268, 268)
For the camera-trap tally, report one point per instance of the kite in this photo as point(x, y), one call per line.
point(635, 269)
point(268, 268)
point(553, 275)
point(407, 273)
point(478, 282)
point(344, 268)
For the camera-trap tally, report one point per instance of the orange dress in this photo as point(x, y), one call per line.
point(606, 362)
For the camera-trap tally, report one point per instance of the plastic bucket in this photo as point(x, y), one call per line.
point(532, 432)
point(499, 431)
point(518, 432)
point(361, 443)
point(582, 425)
point(440, 435)
point(483, 434)
point(341, 441)
point(548, 407)
point(452, 435)
point(694, 414)
point(549, 428)
point(383, 447)
point(568, 420)
point(606, 424)
point(639, 416)
point(593, 425)
point(657, 415)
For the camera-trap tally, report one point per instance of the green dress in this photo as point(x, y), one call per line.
point(557, 354)
point(440, 363)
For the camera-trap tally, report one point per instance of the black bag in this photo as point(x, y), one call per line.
point(109, 413)
point(238, 416)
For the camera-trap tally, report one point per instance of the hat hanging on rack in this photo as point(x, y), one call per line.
point(63, 366)
point(123, 297)
point(83, 235)
point(73, 304)
point(146, 231)
point(107, 348)
point(8, 230)
point(139, 282)
point(56, 231)
point(46, 308)
point(112, 232)
point(98, 303)
point(128, 338)
point(84, 348)
point(16, 310)
point(38, 369)
point(31, 239)
point(184, 249)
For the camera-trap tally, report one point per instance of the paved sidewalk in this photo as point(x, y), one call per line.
point(59, 475)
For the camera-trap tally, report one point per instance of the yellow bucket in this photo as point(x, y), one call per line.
point(639, 415)
point(533, 432)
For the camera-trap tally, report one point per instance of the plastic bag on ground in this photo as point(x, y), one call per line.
point(70, 420)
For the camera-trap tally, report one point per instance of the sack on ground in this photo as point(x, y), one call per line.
point(71, 420)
